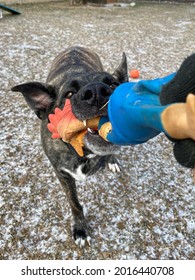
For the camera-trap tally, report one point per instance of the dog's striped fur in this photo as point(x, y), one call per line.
point(77, 73)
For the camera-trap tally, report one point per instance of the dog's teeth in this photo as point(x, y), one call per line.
point(90, 130)
point(85, 123)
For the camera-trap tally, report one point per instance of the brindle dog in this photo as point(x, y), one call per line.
point(77, 74)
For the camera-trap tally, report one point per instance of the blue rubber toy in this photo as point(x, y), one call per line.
point(134, 111)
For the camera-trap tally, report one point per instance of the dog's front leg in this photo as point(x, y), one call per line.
point(80, 227)
point(66, 165)
point(99, 147)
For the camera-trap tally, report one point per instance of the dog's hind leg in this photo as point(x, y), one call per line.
point(80, 227)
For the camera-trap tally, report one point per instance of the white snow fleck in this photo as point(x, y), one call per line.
point(191, 226)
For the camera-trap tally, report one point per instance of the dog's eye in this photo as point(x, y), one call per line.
point(69, 94)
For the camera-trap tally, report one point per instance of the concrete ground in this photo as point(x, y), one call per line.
point(145, 212)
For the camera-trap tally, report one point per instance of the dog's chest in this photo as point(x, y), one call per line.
point(82, 170)
point(77, 173)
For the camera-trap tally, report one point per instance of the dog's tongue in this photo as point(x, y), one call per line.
point(63, 124)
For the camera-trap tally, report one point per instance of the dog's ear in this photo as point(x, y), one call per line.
point(121, 73)
point(38, 96)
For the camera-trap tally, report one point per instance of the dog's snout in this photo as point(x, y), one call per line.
point(91, 100)
point(88, 94)
point(96, 91)
point(105, 92)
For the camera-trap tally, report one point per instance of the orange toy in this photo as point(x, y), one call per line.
point(63, 124)
point(134, 73)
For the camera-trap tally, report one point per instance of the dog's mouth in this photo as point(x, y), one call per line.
point(91, 130)
point(64, 124)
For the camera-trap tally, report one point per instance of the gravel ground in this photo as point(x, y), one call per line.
point(145, 212)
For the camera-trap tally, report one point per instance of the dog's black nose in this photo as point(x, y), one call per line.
point(95, 92)
point(87, 94)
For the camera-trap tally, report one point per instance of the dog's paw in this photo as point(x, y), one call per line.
point(81, 237)
point(113, 164)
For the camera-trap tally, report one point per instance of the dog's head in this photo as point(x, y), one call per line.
point(88, 93)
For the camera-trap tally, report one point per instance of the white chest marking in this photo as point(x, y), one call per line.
point(77, 174)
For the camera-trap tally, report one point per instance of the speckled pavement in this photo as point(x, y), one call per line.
point(145, 212)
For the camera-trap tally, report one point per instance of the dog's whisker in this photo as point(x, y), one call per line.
point(104, 105)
